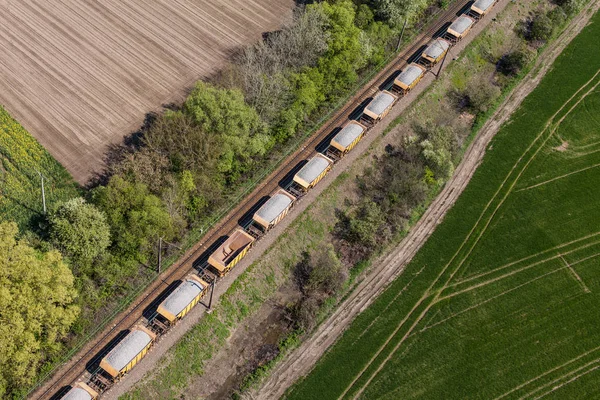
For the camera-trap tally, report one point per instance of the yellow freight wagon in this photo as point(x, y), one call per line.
point(481, 7)
point(460, 28)
point(128, 352)
point(313, 172)
point(80, 391)
point(379, 107)
point(348, 137)
point(183, 299)
point(408, 79)
point(274, 210)
point(231, 252)
point(435, 51)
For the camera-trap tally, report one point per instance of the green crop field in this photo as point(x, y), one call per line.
point(21, 157)
point(503, 301)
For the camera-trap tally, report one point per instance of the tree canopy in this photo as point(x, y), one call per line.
point(36, 307)
point(137, 218)
point(224, 112)
point(79, 230)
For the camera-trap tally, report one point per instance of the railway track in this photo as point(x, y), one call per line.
point(195, 259)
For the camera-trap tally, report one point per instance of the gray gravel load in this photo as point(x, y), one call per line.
point(127, 349)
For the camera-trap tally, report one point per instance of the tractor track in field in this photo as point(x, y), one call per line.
point(75, 368)
point(386, 269)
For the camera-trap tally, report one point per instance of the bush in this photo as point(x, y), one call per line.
point(79, 230)
point(481, 95)
point(541, 28)
point(512, 63)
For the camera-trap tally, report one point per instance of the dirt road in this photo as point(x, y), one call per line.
point(385, 270)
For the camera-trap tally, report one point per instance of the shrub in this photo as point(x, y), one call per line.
point(79, 230)
point(512, 63)
point(541, 28)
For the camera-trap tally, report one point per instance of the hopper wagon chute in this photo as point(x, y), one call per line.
point(273, 211)
point(346, 139)
point(314, 170)
point(80, 391)
point(231, 251)
point(408, 79)
point(379, 107)
point(128, 352)
point(481, 7)
point(183, 299)
point(435, 51)
point(459, 28)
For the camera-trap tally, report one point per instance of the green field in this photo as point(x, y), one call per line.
point(21, 157)
point(503, 300)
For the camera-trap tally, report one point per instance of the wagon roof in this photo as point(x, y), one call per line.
point(275, 206)
point(461, 25)
point(127, 349)
point(410, 74)
point(436, 48)
point(77, 393)
point(348, 134)
point(483, 5)
point(380, 103)
point(313, 168)
point(182, 296)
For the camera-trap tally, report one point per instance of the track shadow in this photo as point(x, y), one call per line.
point(93, 365)
point(246, 219)
point(150, 311)
point(465, 9)
point(286, 181)
point(324, 144)
point(201, 262)
point(357, 112)
point(414, 58)
point(442, 31)
point(59, 395)
point(387, 84)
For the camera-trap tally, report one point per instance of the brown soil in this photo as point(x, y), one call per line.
point(80, 75)
point(563, 146)
point(252, 345)
point(385, 270)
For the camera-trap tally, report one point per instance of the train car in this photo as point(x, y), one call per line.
point(379, 107)
point(311, 173)
point(346, 139)
point(231, 251)
point(128, 352)
point(481, 7)
point(408, 79)
point(459, 28)
point(273, 211)
point(435, 51)
point(80, 391)
point(183, 299)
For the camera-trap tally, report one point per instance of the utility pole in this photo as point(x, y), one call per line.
point(442, 64)
point(212, 290)
point(401, 34)
point(159, 253)
point(43, 192)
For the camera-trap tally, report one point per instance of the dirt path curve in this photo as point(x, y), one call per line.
point(386, 269)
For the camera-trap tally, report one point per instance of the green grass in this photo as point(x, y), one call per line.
point(492, 305)
point(21, 157)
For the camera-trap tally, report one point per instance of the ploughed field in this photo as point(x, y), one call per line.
point(502, 301)
point(80, 75)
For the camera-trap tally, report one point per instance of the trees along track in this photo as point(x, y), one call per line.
point(301, 361)
point(75, 368)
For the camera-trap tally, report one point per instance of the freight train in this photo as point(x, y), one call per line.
point(190, 291)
